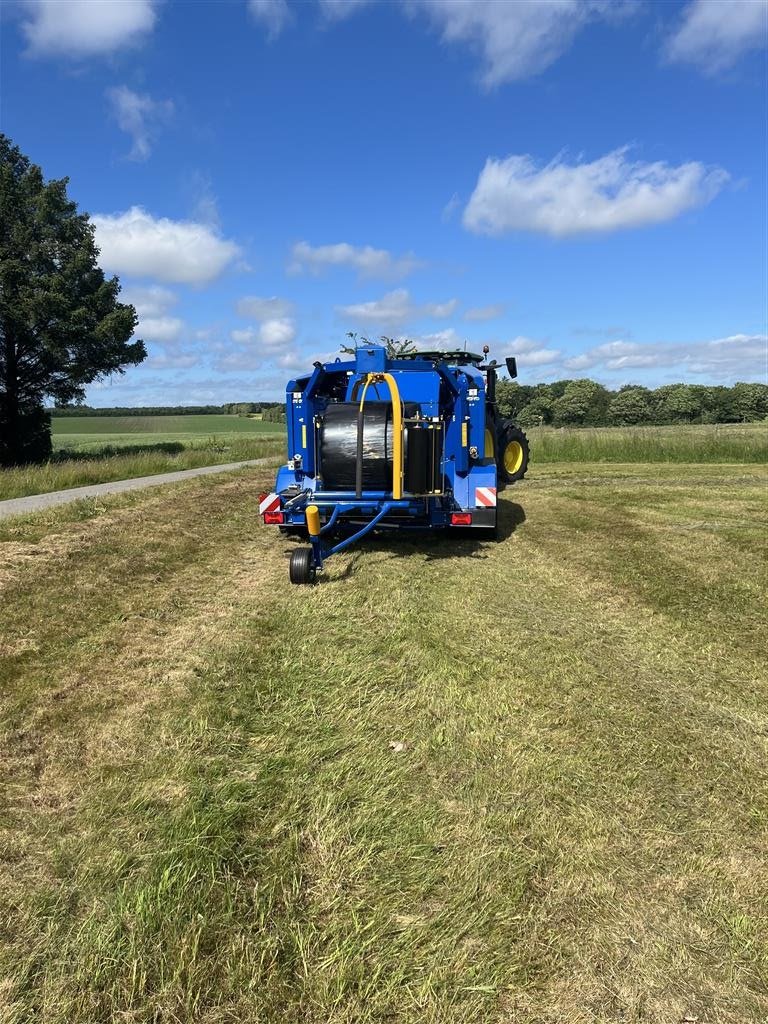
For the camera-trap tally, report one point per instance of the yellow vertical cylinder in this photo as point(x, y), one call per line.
point(313, 520)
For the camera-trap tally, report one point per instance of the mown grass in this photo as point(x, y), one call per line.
point(105, 463)
point(747, 442)
point(456, 782)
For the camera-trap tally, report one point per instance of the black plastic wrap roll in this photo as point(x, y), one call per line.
point(338, 445)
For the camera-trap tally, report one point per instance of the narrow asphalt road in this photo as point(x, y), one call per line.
point(37, 502)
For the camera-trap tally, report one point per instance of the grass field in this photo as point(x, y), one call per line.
point(98, 449)
point(456, 783)
point(84, 432)
point(723, 442)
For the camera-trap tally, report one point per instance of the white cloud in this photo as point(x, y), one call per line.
point(271, 334)
point(275, 15)
point(277, 333)
point(482, 313)
point(139, 116)
point(529, 352)
point(152, 305)
point(259, 308)
point(714, 34)
point(738, 355)
point(245, 336)
point(254, 346)
point(163, 329)
point(139, 244)
point(396, 307)
point(85, 28)
point(514, 39)
point(172, 361)
point(436, 340)
point(450, 208)
point(607, 194)
point(151, 301)
point(366, 260)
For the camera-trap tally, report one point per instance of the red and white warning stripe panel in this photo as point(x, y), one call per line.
point(270, 503)
point(485, 497)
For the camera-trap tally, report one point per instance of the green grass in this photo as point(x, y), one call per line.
point(742, 442)
point(99, 449)
point(165, 427)
point(205, 820)
point(104, 463)
point(87, 433)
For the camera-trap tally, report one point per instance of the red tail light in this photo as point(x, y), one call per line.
point(461, 518)
point(273, 518)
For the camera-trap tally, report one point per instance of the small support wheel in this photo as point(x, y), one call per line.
point(301, 568)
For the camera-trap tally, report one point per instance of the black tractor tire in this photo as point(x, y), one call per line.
point(512, 453)
point(301, 568)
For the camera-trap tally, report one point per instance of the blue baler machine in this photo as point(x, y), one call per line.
point(412, 442)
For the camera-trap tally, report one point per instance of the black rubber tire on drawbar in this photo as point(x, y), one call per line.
point(301, 568)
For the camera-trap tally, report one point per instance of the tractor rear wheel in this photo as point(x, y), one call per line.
point(301, 568)
point(512, 453)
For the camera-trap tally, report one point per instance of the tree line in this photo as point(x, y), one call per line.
point(585, 403)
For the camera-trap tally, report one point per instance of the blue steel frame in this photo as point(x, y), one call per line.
point(453, 394)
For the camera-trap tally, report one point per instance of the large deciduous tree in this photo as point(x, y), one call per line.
point(583, 402)
point(61, 324)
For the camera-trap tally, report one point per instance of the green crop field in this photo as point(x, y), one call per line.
point(81, 431)
point(457, 782)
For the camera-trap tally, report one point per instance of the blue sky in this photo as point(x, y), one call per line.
point(580, 183)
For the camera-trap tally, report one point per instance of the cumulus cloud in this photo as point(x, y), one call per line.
point(729, 358)
point(152, 305)
point(173, 361)
point(482, 313)
point(274, 15)
point(514, 40)
point(141, 245)
point(715, 34)
point(269, 342)
point(529, 352)
point(150, 301)
point(139, 116)
point(367, 261)
point(259, 308)
point(277, 333)
point(85, 28)
point(607, 194)
point(163, 329)
point(436, 340)
point(396, 307)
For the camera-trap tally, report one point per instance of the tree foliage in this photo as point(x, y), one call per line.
point(396, 347)
point(61, 324)
point(586, 403)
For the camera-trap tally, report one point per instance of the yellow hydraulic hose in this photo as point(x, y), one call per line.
point(397, 427)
